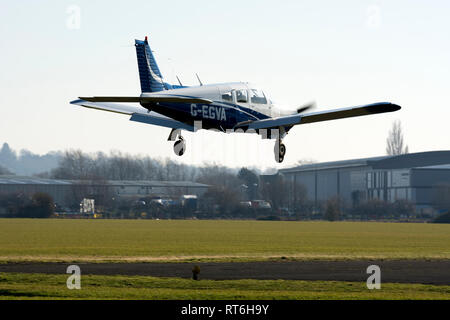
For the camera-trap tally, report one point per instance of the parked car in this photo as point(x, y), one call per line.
point(245, 204)
point(261, 204)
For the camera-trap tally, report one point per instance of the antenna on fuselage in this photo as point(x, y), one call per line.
point(179, 81)
point(199, 79)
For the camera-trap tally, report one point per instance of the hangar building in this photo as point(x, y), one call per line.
point(413, 177)
point(62, 190)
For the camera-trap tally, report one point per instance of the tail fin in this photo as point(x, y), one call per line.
point(149, 74)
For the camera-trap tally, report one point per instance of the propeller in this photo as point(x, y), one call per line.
point(306, 107)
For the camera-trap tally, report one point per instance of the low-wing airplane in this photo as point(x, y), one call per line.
point(226, 107)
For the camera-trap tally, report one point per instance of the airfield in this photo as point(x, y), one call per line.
point(153, 259)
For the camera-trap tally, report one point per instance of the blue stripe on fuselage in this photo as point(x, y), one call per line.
point(251, 112)
point(217, 115)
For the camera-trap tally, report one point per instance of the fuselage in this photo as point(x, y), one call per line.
point(233, 103)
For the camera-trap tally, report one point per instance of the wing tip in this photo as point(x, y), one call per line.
point(395, 107)
point(77, 101)
point(382, 107)
point(89, 99)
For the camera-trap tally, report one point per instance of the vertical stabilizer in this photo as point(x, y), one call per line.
point(149, 74)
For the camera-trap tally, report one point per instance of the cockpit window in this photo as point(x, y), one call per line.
point(241, 96)
point(227, 96)
point(257, 96)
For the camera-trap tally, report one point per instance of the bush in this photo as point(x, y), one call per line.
point(443, 218)
point(41, 206)
point(269, 218)
point(333, 209)
point(378, 209)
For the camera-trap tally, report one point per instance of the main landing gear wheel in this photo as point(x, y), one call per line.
point(280, 151)
point(180, 146)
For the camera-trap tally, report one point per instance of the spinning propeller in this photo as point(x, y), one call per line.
point(306, 107)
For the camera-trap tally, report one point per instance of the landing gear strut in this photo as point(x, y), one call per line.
point(279, 150)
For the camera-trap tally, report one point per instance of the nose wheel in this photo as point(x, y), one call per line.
point(179, 146)
point(280, 151)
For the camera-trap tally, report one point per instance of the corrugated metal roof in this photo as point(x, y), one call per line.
point(30, 180)
point(441, 167)
point(153, 183)
point(414, 160)
point(334, 164)
point(410, 160)
point(33, 180)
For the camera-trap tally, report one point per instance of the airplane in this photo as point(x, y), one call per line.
point(224, 107)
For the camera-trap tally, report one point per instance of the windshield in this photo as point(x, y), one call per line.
point(241, 95)
point(257, 96)
point(227, 96)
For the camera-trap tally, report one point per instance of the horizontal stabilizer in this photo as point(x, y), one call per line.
point(138, 113)
point(111, 107)
point(111, 99)
point(149, 98)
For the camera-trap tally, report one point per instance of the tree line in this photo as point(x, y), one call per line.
point(24, 162)
point(79, 165)
point(38, 205)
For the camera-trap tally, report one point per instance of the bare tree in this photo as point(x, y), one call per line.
point(276, 191)
point(442, 197)
point(216, 175)
point(73, 165)
point(333, 209)
point(394, 141)
point(3, 170)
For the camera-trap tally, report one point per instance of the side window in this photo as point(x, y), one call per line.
point(241, 95)
point(257, 96)
point(227, 96)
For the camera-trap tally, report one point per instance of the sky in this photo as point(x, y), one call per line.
point(336, 53)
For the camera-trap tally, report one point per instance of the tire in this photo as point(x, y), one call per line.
point(282, 150)
point(179, 147)
point(279, 151)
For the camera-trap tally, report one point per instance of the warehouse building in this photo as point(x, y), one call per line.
point(415, 177)
point(62, 191)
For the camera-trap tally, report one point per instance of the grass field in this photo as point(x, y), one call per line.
point(218, 240)
point(44, 286)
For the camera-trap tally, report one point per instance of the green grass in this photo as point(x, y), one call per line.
point(44, 286)
point(200, 240)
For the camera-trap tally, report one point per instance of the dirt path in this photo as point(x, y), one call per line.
point(401, 271)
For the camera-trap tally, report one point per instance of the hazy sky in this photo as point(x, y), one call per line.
point(338, 53)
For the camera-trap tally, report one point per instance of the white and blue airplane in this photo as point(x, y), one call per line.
point(225, 107)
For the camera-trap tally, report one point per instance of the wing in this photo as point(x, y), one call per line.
point(111, 107)
point(138, 114)
point(161, 121)
point(296, 119)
